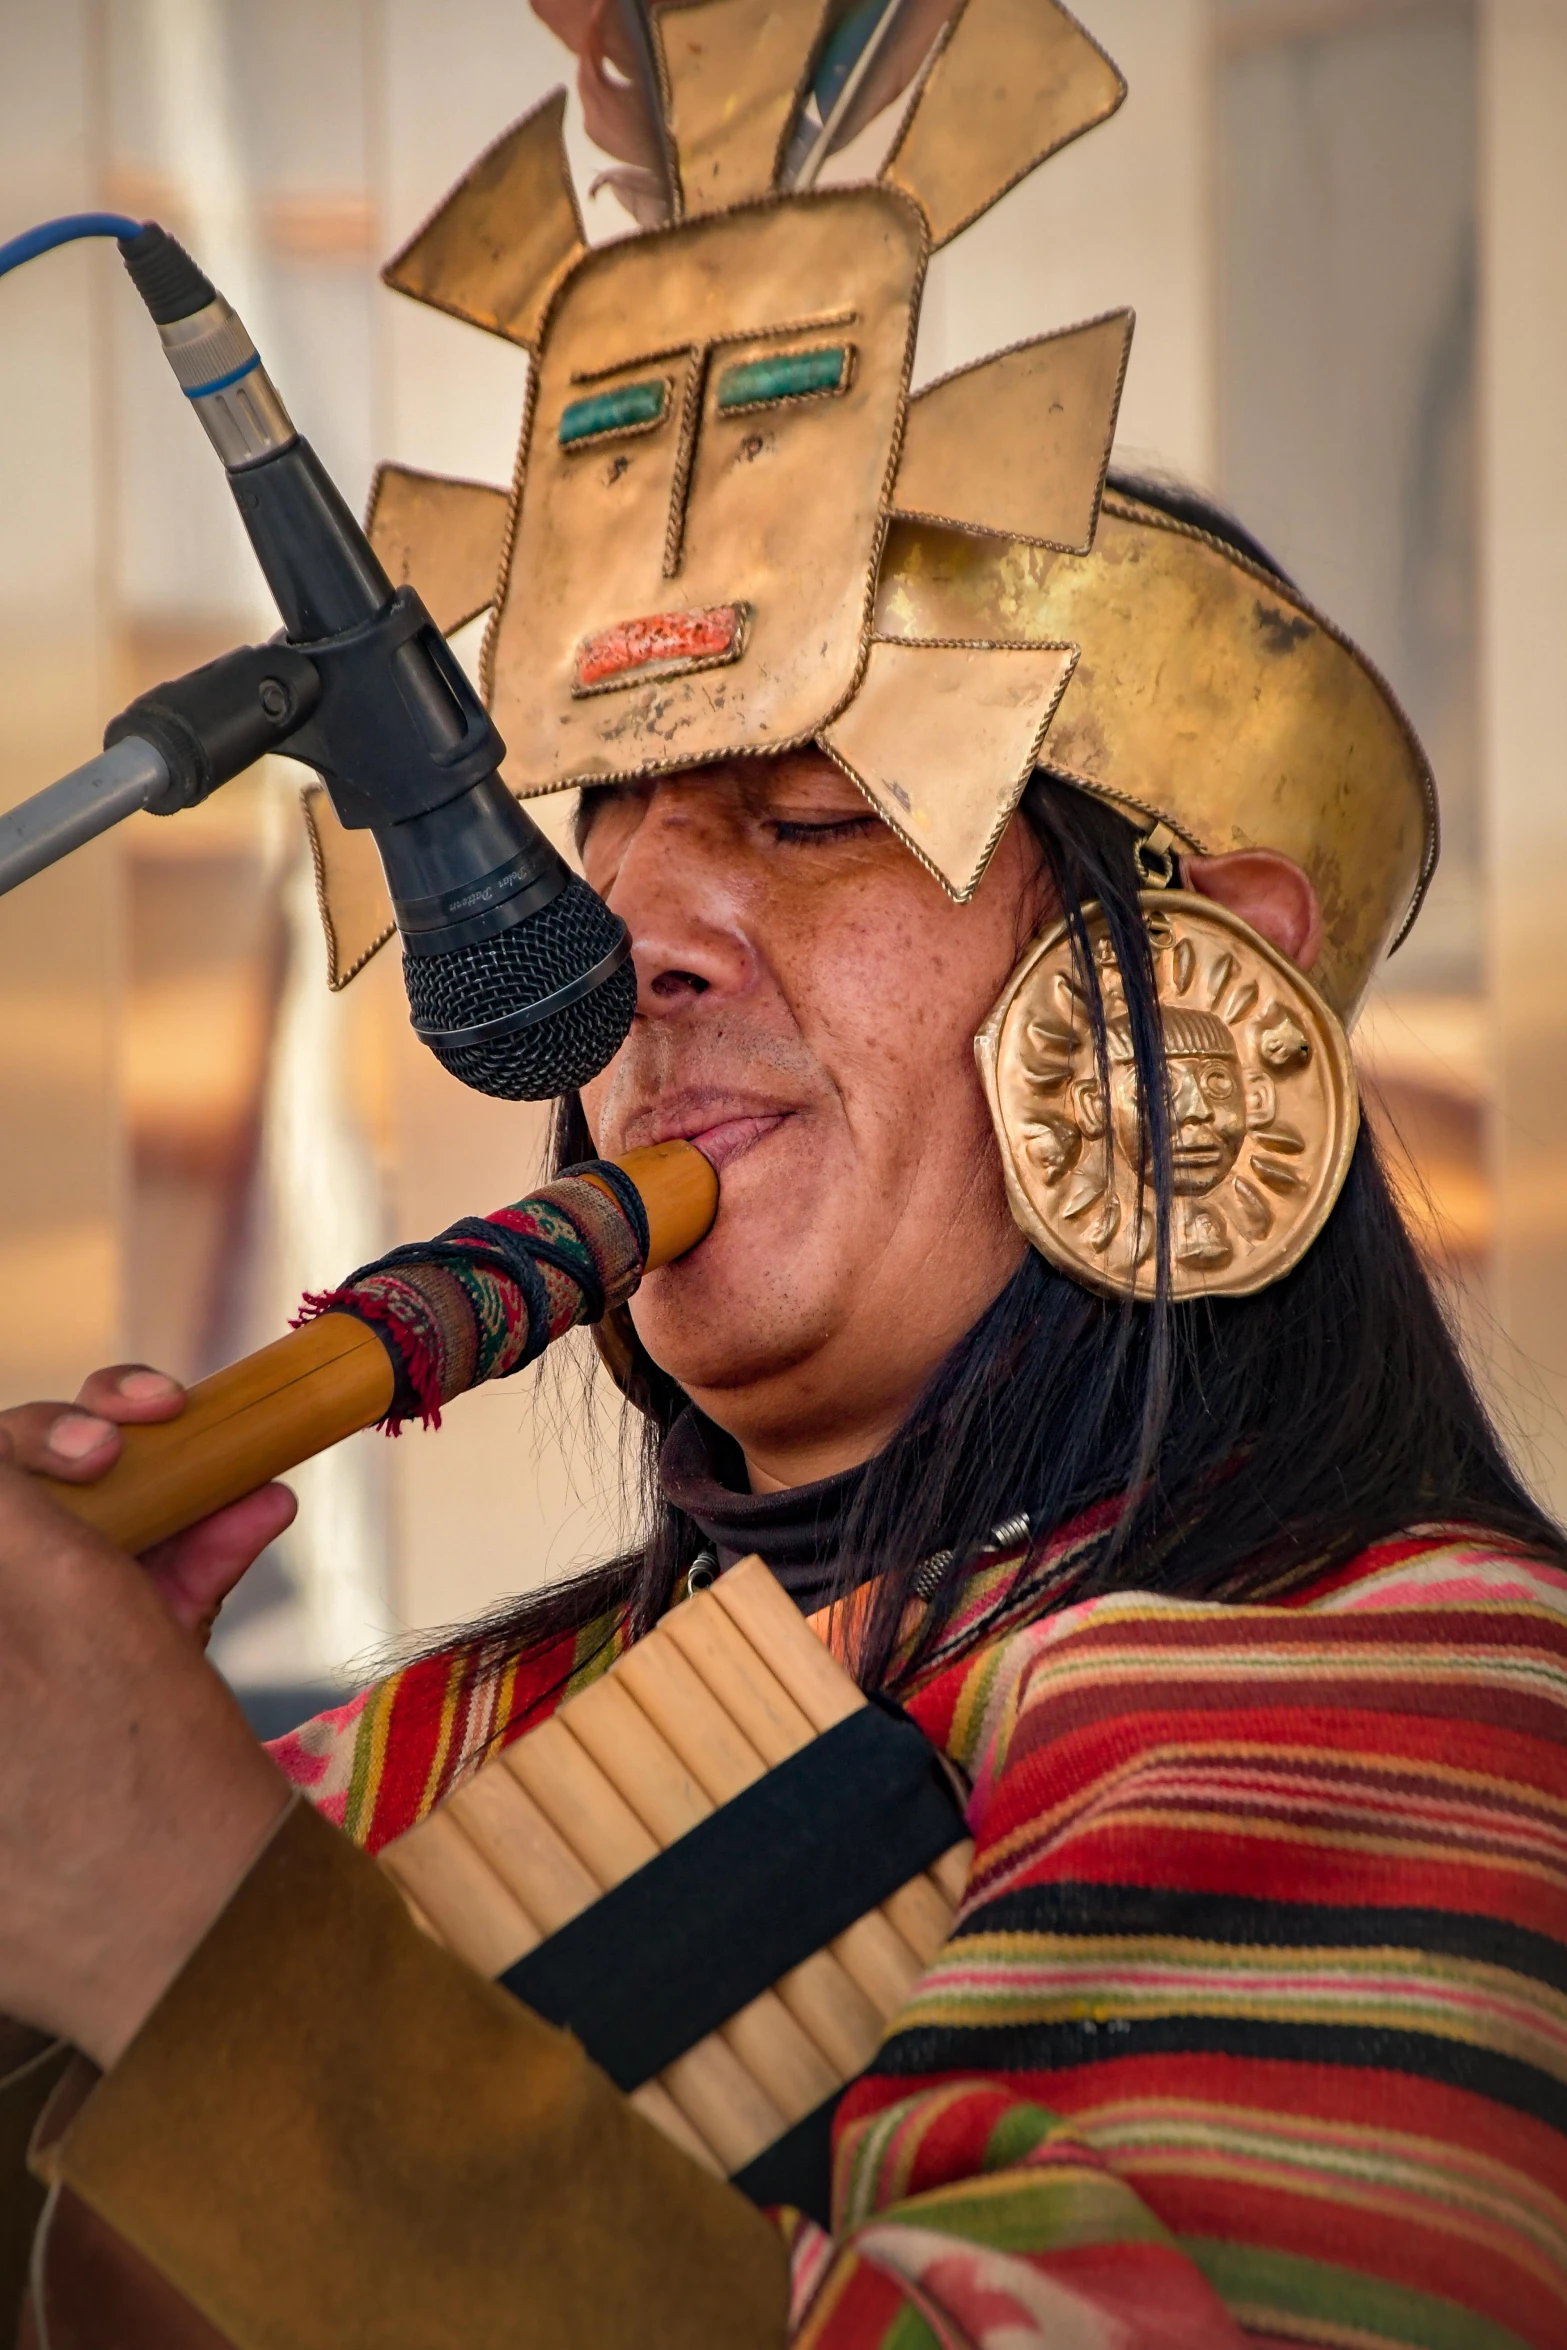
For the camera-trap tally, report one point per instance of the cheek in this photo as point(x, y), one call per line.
point(892, 990)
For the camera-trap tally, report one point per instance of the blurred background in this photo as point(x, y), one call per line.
point(1343, 224)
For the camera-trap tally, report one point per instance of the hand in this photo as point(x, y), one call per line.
point(132, 1795)
point(194, 1571)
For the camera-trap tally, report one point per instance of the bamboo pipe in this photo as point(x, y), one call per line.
point(454, 1858)
point(714, 2090)
point(693, 1720)
point(548, 1882)
point(911, 1924)
point(816, 1683)
point(751, 1693)
point(264, 1415)
point(685, 1721)
point(782, 2051)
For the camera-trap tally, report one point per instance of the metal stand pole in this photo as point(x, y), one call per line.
point(77, 808)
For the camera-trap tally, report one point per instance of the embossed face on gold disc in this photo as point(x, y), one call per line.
point(1261, 1096)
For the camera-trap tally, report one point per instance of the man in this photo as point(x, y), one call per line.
point(136, 1802)
point(1208, 1576)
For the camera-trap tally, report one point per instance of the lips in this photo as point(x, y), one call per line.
point(722, 1129)
point(720, 1145)
point(663, 644)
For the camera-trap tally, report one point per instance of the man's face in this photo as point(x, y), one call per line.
point(808, 998)
point(1207, 1117)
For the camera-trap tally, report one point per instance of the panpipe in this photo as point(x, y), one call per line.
point(406, 1335)
point(718, 1864)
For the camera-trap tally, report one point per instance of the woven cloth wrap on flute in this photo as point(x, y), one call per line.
point(491, 1293)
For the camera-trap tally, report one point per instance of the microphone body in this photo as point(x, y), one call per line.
point(518, 976)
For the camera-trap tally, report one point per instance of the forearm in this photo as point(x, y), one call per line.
point(331, 2130)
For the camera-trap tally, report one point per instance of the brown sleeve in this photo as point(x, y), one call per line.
point(329, 2130)
point(30, 2065)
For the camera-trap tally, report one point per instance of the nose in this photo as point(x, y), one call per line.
point(1189, 1105)
point(677, 890)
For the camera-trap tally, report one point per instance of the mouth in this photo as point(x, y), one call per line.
point(664, 644)
point(721, 1145)
point(722, 1130)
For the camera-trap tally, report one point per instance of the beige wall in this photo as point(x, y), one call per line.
point(1524, 522)
point(60, 1191)
point(1122, 216)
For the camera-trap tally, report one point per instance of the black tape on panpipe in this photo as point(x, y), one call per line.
point(673, 1951)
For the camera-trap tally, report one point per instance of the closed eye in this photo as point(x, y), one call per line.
point(785, 375)
point(836, 828)
point(603, 416)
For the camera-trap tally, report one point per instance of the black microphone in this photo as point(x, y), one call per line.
point(519, 978)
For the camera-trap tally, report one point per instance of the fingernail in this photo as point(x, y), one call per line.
point(76, 1434)
point(147, 1386)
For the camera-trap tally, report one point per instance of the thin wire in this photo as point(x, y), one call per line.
point(50, 233)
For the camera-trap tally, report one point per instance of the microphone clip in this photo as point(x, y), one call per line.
point(396, 729)
point(215, 721)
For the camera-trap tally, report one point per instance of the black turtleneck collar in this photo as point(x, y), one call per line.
point(797, 1531)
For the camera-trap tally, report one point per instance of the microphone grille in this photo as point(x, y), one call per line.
point(518, 967)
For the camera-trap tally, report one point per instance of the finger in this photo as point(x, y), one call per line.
point(195, 1571)
point(58, 1440)
point(78, 1442)
point(130, 1392)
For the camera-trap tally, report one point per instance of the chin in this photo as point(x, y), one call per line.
point(764, 1289)
point(710, 1344)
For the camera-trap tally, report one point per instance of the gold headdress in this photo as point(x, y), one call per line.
point(731, 529)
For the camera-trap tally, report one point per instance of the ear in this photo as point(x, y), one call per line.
point(1262, 1100)
point(1268, 890)
point(1088, 1106)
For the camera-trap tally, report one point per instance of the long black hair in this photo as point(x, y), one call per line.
point(1248, 1443)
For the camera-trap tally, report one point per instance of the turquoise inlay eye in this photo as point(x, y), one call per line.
point(630, 409)
point(792, 375)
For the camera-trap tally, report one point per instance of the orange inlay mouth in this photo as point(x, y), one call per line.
point(666, 645)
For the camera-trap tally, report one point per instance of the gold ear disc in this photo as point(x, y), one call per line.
point(1264, 1108)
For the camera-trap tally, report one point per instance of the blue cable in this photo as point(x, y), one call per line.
point(50, 233)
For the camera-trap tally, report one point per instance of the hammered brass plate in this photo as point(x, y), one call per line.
point(1263, 1107)
point(732, 72)
point(1019, 443)
point(1208, 696)
point(687, 500)
point(443, 537)
point(494, 249)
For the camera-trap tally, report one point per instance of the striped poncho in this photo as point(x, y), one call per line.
point(1252, 2027)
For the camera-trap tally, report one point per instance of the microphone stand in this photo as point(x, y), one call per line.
point(363, 688)
point(75, 810)
point(169, 750)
